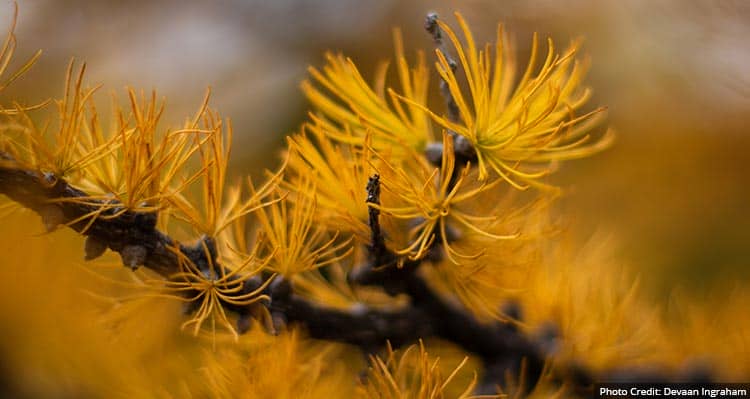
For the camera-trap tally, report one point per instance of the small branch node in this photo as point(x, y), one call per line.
point(280, 290)
point(434, 153)
point(93, 248)
point(133, 256)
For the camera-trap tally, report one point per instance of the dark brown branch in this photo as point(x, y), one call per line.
point(501, 347)
point(130, 229)
point(367, 328)
point(130, 233)
point(382, 268)
point(379, 254)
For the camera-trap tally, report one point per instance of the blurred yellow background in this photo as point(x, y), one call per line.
point(673, 192)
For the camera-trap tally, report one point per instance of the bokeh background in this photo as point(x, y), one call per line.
point(673, 193)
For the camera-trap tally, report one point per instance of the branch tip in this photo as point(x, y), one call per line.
point(133, 256)
point(93, 248)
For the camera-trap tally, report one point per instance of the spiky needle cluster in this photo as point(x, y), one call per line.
point(316, 245)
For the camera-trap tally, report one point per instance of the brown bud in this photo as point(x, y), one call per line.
point(133, 256)
point(281, 289)
point(52, 216)
point(463, 146)
point(279, 322)
point(244, 322)
point(434, 153)
point(94, 248)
